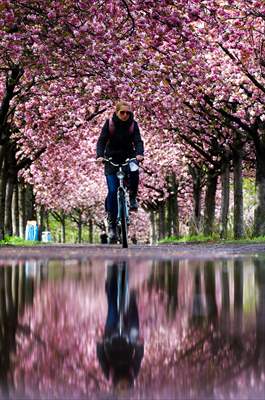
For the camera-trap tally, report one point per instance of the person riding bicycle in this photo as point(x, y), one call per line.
point(120, 355)
point(119, 140)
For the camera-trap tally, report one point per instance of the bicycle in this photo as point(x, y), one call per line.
point(123, 218)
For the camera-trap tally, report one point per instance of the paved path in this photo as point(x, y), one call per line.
point(179, 251)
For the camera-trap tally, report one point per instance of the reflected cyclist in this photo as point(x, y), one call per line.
point(120, 355)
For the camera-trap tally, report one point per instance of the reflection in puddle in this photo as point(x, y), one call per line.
point(120, 350)
point(181, 329)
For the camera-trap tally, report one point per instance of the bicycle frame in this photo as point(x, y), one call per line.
point(123, 293)
point(123, 218)
point(122, 191)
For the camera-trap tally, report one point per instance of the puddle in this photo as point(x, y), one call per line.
point(191, 329)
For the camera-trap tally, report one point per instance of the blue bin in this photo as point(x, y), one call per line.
point(46, 237)
point(32, 231)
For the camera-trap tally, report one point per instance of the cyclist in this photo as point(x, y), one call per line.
point(119, 140)
point(120, 356)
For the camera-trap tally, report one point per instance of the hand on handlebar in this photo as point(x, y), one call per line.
point(139, 158)
point(100, 160)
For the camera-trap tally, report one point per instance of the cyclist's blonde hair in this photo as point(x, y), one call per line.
point(121, 104)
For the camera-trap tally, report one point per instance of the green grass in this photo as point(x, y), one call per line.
point(17, 241)
point(210, 239)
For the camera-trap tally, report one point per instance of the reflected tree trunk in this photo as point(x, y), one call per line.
point(209, 279)
point(4, 350)
point(238, 304)
point(165, 277)
point(198, 312)
point(260, 310)
point(225, 307)
point(8, 326)
point(15, 282)
point(172, 278)
point(21, 288)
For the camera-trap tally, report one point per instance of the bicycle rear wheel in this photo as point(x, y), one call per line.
point(123, 220)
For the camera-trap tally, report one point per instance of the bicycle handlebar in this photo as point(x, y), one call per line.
point(118, 165)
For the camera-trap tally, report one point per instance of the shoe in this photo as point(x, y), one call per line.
point(112, 234)
point(112, 230)
point(133, 204)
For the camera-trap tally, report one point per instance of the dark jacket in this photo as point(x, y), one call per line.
point(121, 144)
point(120, 355)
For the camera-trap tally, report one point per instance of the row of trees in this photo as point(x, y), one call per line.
point(194, 73)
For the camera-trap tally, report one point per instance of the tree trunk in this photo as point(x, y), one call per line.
point(15, 212)
point(259, 217)
point(90, 231)
point(195, 223)
point(169, 216)
point(30, 204)
point(40, 220)
point(8, 208)
point(3, 183)
point(175, 207)
point(225, 180)
point(79, 226)
point(153, 237)
point(238, 191)
point(21, 209)
point(63, 229)
point(47, 222)
point(11, 181)
point(161, 221)
point(12, 80)
point(209, 213)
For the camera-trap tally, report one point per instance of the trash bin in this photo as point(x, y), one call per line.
point(31, 230)
point(46, 236)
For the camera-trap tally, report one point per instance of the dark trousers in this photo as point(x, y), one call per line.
point(131, 316)
point(113, 184)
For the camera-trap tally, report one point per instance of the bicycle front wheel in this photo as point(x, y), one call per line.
point(123, 221)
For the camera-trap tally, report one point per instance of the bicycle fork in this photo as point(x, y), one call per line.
point(123, 294)
point(122, 200)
